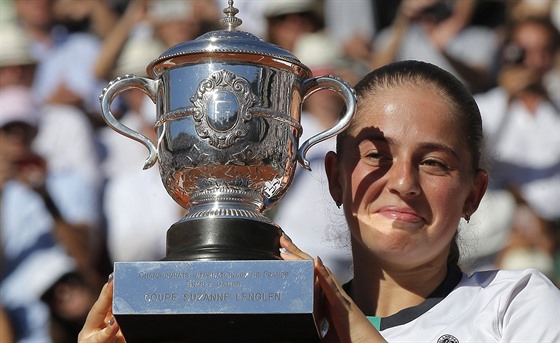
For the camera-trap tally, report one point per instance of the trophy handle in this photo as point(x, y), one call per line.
point(149, 87)
point(335, 84)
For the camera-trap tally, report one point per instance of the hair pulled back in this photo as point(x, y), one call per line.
point(423, 74)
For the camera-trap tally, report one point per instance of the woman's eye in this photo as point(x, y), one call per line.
point(376, 158)
point(433, 163)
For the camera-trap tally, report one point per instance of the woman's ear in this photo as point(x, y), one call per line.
point(477, 191)
point(333, 176)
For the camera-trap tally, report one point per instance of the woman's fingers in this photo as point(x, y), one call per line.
point(100, 325)
point(101, 308)
point(349, 322)
point(331, 287)
point(289, 251)
point(108, 335)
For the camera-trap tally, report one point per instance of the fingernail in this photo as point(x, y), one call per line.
point(110, 278)
point(319, 261)
point(111, 321)
point(324, 328)
point(287, 237)
point(284, 251)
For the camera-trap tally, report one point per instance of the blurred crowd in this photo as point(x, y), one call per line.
point(74, 197)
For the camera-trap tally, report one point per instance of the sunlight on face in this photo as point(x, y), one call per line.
point(405, 175)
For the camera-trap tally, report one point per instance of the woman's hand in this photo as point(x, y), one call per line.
point(100, 325)
point(347, 322)
point(290, 252)
point(350, 323)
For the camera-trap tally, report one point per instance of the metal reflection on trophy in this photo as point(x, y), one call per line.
point(228, 127)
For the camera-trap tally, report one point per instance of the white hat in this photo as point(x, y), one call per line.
point(136, 55)
point(523, 258)
point(318, 52)
point(281, 7)
point(52, 265)
point(14, 46)
point(169, 10)
point(16, 105)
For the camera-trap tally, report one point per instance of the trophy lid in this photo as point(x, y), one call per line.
point(227, 44)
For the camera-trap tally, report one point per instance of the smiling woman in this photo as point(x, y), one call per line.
point(405, 162)
point(406, 171)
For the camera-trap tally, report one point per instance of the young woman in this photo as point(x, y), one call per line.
point(406, 171)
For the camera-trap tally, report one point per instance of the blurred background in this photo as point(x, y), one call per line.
point(74, 198)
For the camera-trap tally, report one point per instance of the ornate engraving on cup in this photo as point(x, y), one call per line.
point(221, 108)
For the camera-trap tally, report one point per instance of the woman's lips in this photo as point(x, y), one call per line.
point(404, 215)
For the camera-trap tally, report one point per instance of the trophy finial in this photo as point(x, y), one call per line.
point(230, 22)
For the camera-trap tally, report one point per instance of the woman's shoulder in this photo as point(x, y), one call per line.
point(513, 283)
point(489, 306)
point(504, 276)
point(513, 305)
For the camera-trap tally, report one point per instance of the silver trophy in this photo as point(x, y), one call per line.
point(228, 127)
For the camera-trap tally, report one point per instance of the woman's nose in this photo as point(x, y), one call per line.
point(403, 179)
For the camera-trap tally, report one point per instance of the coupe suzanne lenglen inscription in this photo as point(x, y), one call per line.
point(214, 286)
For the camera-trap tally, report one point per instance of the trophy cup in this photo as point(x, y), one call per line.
point(228, 127)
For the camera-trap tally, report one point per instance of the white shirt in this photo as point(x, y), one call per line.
point(123, 154)
point(475, 46)
point(493, 306)
point(65, 140)
point(139, 212)
point(70, 63)
point(344, 19)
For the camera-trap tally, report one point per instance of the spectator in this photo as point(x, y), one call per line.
point(17, 65)
point(287, 21)
point(352, 25)
point(65, 89)
point(132, 24)
point(72, 201)
point(522, 124)
point(36, 19)
point(33, 262)
point(65, 75)
point(437, 31)
point(177, 21)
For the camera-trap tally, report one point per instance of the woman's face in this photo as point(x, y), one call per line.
point(405, 177)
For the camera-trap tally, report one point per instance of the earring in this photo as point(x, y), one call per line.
point(338, 203)
point(467, 217)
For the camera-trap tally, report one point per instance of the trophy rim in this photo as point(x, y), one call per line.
point(210, 46)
